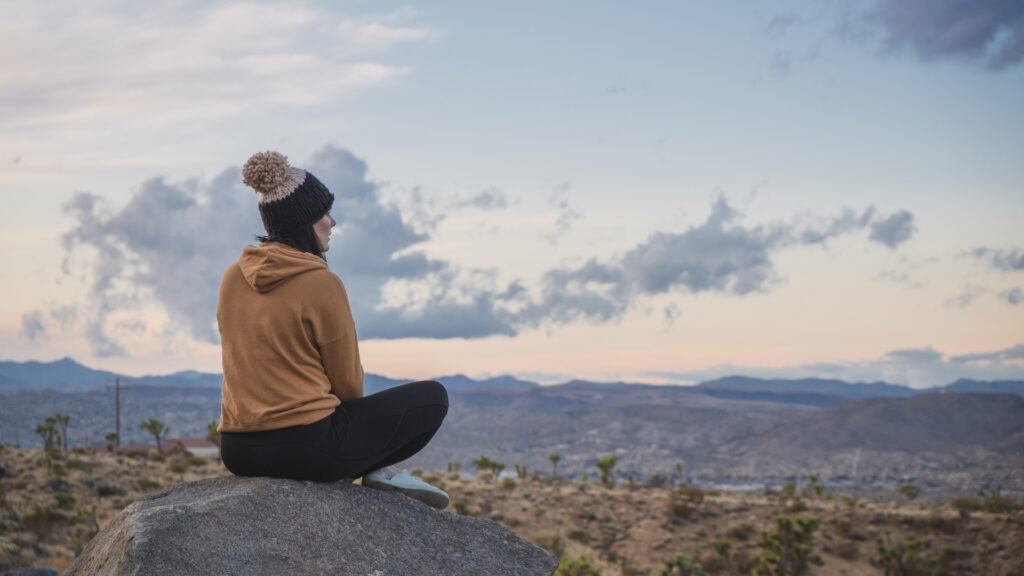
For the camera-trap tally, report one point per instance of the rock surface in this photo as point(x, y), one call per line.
point(233, 525)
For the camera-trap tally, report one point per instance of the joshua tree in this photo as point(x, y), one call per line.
point(62, 421)
point(605, 465)
point(485, 463)
point(48, 432)
point(158, 429)
point(111, 438)
point(554, 464)
point(213, 435)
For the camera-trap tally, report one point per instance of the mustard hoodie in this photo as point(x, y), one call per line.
point(288, 340)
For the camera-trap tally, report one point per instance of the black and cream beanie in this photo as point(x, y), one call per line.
point(290, 198)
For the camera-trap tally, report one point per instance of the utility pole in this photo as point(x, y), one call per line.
point(117, 411)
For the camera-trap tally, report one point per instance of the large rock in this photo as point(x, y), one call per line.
point(233, 525)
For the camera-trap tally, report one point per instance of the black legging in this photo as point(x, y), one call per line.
point(361, 436)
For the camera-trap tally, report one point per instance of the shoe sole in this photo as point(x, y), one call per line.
point(428, 497)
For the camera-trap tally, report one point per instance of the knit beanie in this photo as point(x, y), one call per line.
point(290, 198)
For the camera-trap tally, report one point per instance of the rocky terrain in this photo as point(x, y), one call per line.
point(50, 507)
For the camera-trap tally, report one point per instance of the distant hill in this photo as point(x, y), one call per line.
point(993, 387)
point(824, 388)
point(66, 375)
point(926, 422)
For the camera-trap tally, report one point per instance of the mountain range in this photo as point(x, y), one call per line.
point(67, 375)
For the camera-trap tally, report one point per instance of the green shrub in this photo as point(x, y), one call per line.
point(65, 501)
point(787, 549)
point(178, 464)
point(683, 565)
point(41, 522)
point(909, 491)
point(904, 557)
point(741, 531)
point(460, 506)
point(574, 567)
point(508, 483)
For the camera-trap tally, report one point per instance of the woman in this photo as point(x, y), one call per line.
point(292, 398)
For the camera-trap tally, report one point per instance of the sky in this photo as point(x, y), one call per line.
point(662, 192)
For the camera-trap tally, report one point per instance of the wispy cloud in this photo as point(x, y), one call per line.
point(1013, 296)
point(1006, 260)
point(162, 63)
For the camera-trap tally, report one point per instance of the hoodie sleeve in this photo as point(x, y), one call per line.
point(339, 348)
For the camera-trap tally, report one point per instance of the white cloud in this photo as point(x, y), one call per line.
point(89, 63)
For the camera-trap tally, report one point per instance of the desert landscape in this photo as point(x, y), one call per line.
point(54, 502)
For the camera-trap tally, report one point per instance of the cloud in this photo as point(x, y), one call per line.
point(172, 242)
point(967, 297)
point(559, 199)
point(719, 255)
point(986, 32)
point(32, 326)
point(1007, 354)
point(915, 367)
point(1013, 296)
point(489, 199)
point(1005, 260)
point(894, 230)
point(169, 63)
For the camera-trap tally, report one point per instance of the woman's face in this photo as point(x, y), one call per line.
point(323, 228)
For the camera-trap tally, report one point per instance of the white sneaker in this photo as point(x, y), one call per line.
point(405, 483)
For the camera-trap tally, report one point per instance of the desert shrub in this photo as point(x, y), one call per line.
point(508, 483)
point(21, 484)
point(741, 531)
point(848, 500)
point(683, 565)
point(146, 484)
point(909, 491)
point(552, 544)
point(695, 495)
point(787, 549)
point(847, 550)
point(178, 464)
point(796, 506)
point(574, 567)
point(656, 481)
point(903, 557)
point(788, 490)
point(579, 536)
point(681, 509)
point(80, 464)
point(42, 521)
point(65, 501)
point(194, 460)
point(105, 490)
point(460, 506)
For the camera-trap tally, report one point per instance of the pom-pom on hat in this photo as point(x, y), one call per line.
point(290, 198)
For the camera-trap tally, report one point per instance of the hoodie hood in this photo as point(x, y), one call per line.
point(271, 264)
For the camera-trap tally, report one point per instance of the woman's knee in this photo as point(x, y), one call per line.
point(433, 393)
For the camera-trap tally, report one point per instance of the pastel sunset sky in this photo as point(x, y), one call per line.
point(661, 192)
